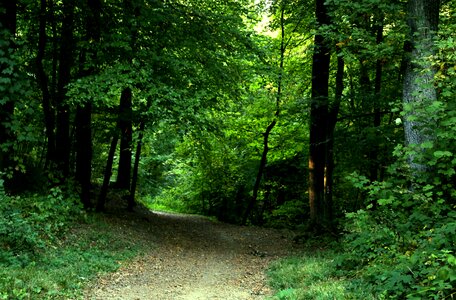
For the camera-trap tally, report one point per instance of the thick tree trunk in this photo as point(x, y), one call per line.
point(84, 111)
point(419, 91)
point(63, 141)
point(8, 27)
point(125, 127)
point(318, 121)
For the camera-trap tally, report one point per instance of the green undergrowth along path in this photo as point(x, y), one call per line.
point(53, 255)
point(62, 270)
point(313, 275)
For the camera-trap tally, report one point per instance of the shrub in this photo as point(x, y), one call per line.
point(29, 224)
point(403, 243)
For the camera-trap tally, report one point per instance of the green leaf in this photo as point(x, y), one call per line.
point(440, 154)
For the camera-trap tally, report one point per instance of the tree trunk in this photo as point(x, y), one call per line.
point(107, 174)
point(84, 111)
point(318, 121)
point(63, 111)
point(134, 181)
point(125, 127)
point(43, 83)
point(84, 151)
point(418, 90)
point(131, 13)
point(264, 155)
point(8, 31)
point(332, 120)
point(263, 161)
point(374, 155)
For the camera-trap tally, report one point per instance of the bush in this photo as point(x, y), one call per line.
point(29, 224)
point(50, 248)
point(403, 243)
point(63, 269)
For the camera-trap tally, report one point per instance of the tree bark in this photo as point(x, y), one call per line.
point(419, 91)
point(318, 121)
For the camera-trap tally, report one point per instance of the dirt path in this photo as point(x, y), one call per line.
point(193, 258)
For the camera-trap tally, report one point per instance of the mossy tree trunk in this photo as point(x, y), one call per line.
point(418, 90)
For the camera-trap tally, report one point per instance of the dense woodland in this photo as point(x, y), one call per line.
point(334, 117)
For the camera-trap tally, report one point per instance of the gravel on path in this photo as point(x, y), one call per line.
point(193, 258)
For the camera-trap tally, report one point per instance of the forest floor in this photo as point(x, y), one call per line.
point(192, 257)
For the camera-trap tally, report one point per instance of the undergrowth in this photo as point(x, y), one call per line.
point(314, 275)
point(50, 248)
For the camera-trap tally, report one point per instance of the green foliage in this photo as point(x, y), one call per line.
point(404, 246)
point(66, 266)
point(313, 276)
point(289, 214)
point(403, 242)
point(29, 224)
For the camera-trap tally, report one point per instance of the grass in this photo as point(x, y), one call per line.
point(313, 276)
point(64, 268)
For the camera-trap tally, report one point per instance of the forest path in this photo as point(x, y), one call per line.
point(193, 258)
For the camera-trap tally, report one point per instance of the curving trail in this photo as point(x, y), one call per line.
point(193, 258)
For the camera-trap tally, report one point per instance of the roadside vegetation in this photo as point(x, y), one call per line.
point(50, 248)
point(315, 276)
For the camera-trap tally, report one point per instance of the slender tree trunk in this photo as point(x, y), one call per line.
point(107, 174)
point(125, 127)
point(8, 27)
point(63, 110)
point(131, 13)
point(318, 121)
point(374, 155)
point(418, 90)
point(134, 181)
point(332, 120)
point(55, 49)
point(263, 161)
point(264, 155)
